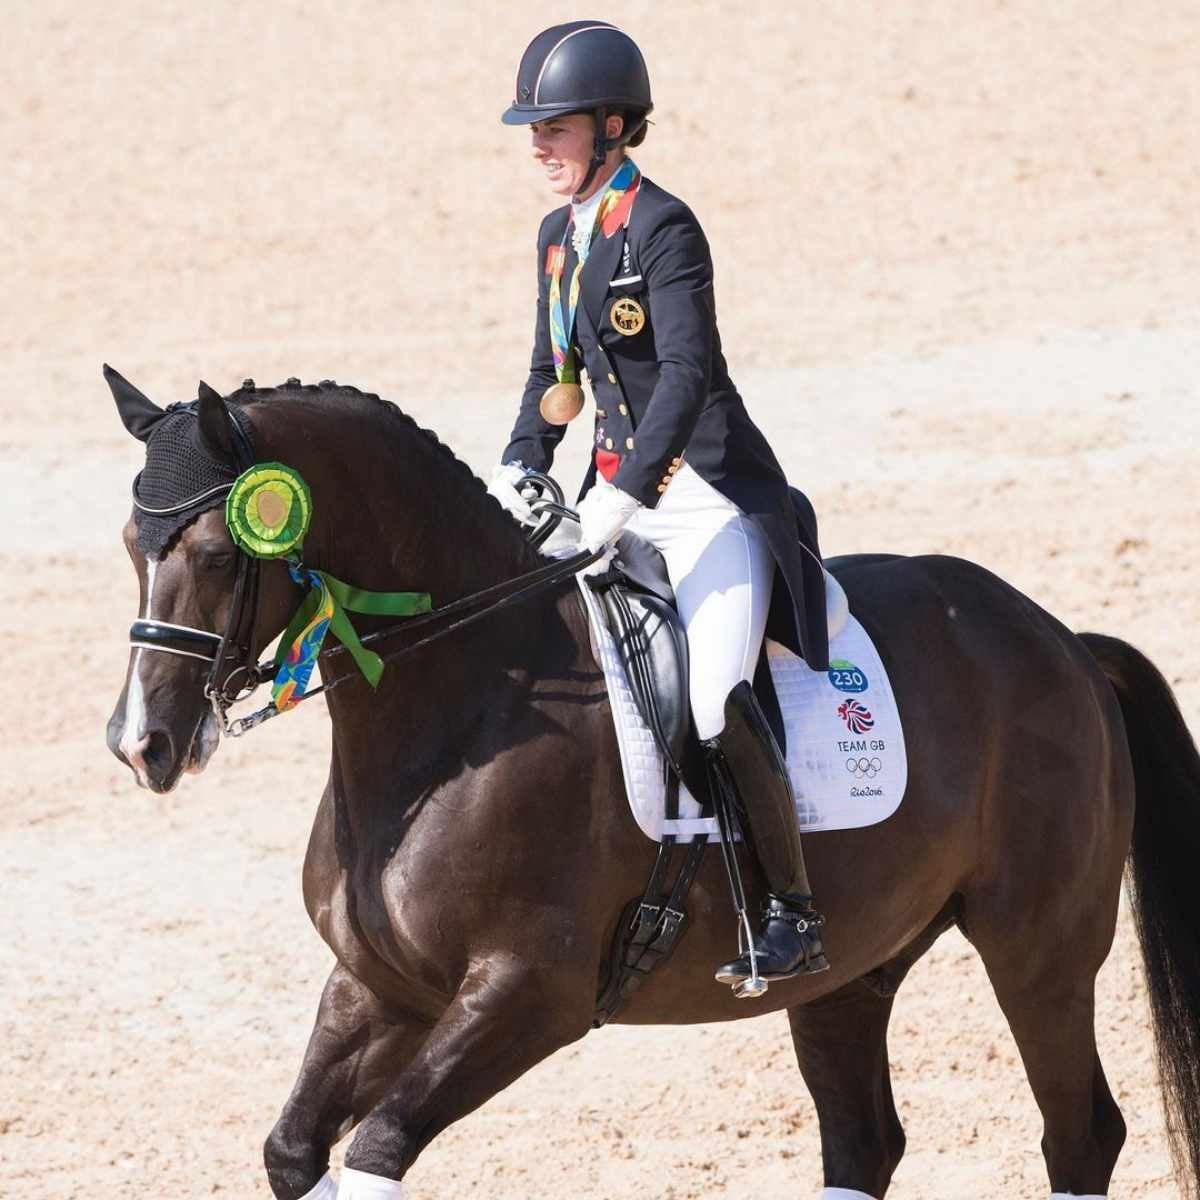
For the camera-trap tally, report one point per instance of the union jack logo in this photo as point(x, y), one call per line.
point(857, 716)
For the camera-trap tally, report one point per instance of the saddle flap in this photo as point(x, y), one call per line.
point(653, 650)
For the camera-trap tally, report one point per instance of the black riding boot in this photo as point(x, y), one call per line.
point(789, 939)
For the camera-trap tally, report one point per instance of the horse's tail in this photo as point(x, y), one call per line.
point(1165, 879)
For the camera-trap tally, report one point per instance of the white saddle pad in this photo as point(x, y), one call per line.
point(844, 742)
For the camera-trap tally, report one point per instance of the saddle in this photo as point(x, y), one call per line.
point(638, 604)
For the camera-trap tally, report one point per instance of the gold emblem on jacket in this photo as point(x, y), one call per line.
point(627, 316)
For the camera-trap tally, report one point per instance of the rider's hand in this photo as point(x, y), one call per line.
point(506, 479)
point(603, 513)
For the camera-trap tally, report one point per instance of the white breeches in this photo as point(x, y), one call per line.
point(722, 571)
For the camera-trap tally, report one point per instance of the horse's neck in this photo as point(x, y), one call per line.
point(393, 511)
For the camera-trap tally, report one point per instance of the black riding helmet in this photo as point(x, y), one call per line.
point(583, 66)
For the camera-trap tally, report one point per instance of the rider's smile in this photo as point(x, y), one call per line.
point(563, 147)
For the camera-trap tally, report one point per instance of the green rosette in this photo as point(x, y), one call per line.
point(268, 510)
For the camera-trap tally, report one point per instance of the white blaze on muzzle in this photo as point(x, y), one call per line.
point(134, 738)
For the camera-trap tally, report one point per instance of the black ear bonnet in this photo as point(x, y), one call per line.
point(181, 474)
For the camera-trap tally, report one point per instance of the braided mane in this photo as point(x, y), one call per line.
point(249, 393)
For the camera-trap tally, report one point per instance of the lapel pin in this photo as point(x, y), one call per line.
point(627, 316)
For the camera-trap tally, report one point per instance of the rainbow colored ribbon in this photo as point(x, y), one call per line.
point(323, 609)
point(611, 214)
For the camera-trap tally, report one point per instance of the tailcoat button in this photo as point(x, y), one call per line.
point(608, 443)
point(662, 487)
point(629, 443)
point(611, 377)
point(623, 410)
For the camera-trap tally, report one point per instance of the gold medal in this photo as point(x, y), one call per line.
point(561, 402)
point(627, 316)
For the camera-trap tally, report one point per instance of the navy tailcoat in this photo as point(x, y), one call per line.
point(663, 394)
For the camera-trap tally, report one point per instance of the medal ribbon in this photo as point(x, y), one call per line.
point(323, 609)
point(611, 215)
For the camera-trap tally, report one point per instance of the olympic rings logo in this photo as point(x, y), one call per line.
point(864, 768)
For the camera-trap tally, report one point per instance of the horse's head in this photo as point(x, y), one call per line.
point(392, 508)
point(200, 596)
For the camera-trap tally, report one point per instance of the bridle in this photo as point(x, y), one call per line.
point(236, 641)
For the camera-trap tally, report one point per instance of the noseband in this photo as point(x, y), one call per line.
point(216, 649)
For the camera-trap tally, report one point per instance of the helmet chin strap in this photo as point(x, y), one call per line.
point(600, 149)
point(601, 145)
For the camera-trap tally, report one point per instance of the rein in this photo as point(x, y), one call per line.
point(205, 646)
point(527, 585)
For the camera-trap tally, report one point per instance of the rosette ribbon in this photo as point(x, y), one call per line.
point(268, 512)
point(324, 609)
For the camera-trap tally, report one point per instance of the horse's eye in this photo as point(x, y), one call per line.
point(214, 558)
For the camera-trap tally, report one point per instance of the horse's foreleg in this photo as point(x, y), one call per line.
point(841, 1046)
point(354, 1053)
point(505, 1019)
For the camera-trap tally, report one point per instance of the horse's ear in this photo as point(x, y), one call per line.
point(139, 414)
point(216, 425)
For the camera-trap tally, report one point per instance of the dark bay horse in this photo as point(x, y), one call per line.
point(473, 847)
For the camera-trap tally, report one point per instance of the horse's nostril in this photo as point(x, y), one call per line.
point(158, 753)
point(152, 758)
point(134, 753)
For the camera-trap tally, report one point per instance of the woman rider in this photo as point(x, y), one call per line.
point(625, 291)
